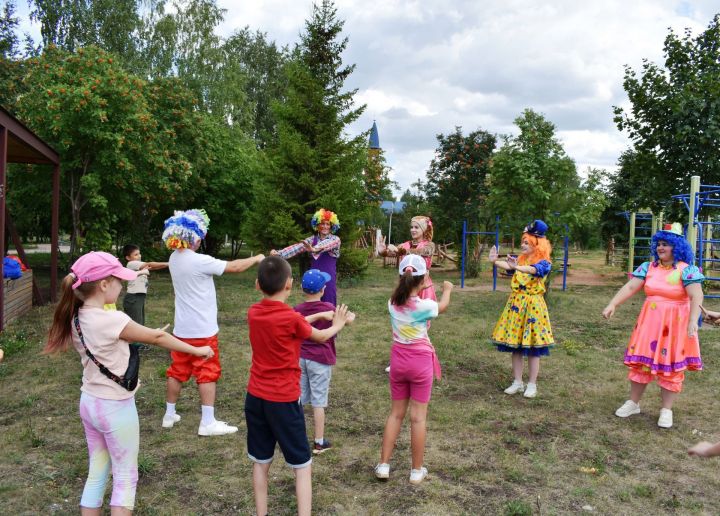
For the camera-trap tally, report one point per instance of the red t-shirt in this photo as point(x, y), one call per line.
point(276, 332)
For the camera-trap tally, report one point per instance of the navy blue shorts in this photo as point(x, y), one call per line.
point(281, 422)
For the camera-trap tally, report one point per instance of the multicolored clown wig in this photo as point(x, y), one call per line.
point(323, 215)
point(186, 229)
point(425, 225)
point(673, 235)
point(535, 234)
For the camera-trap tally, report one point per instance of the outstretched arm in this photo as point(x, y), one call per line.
point(445, 297)
point(291, 250)
point(705, 449)
point(243, 264)
point(628, 290)
point(501, 264)
point(155, 265)
point(134, 332)
point(339, 321)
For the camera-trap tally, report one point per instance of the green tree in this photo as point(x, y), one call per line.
point(314, 163)
point(261, 63)
point(673, 121)
point(11, 65)
point(531, 176)
point(72, 24)
point(456, 182)
point(122, 140)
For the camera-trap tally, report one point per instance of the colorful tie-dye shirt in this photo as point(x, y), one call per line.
point(410, 321)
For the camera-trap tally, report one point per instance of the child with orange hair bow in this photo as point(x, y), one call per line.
point(524, 326)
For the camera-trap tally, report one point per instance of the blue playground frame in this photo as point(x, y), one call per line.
point(706, 196)
point(465, 233)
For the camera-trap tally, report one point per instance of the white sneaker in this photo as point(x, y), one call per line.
point(515, 387)
point(418, 475)
point(530, 390)
point(665, 419)
point(216, 428)
point(169, 420)
point(387, 369)
point(382, 471)
point(628, 409)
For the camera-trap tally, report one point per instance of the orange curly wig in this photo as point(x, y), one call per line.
point(541, 250)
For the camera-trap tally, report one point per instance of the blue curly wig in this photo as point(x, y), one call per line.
point(682, 252)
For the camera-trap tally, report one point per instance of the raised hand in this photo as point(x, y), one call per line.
point(512, 261)
point(341, 315)
point(380, 244)
point(447, 286)
point(493, 254)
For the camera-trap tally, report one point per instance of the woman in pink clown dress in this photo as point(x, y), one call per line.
point(664, 343)
point(421, 232)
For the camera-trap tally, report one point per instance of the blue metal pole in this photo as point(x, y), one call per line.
point(565, 258)
point(462, 259)
point(497, 246)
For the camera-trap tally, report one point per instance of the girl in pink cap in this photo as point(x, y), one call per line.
point(413, 363)
point(107, 401)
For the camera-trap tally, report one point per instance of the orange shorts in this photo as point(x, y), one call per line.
point(185, 365)
point(670, 381)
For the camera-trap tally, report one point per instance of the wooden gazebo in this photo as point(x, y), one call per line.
point(18, 144)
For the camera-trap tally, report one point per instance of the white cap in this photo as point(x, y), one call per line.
point(415, 262)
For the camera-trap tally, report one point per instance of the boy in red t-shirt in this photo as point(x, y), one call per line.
point(272, 412)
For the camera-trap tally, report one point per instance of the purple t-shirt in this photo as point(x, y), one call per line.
point(310, 350)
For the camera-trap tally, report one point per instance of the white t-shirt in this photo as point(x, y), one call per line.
point(139, 285)
point(410, 321)
point(195, 299)
point(101, 330)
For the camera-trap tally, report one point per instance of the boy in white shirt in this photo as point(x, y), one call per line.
point(196, 315)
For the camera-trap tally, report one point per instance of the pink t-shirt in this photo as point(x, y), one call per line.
point(101, 330)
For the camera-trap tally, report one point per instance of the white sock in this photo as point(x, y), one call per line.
point(169, 409)
point(208, 415)
point(319, 441)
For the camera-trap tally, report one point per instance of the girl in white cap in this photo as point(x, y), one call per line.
point(413, 363)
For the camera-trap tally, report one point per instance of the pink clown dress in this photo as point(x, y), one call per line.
point(659, 344)
point(426, 249)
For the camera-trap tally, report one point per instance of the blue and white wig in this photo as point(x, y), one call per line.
point(681, 250)
point(185, 229)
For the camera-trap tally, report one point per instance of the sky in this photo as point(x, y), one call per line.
point(424, 67)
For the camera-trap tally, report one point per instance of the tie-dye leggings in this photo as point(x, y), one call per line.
point(112, 432)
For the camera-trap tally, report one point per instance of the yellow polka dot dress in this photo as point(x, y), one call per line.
point(524, 325)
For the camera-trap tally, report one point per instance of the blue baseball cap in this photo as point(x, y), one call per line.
point(314, 280)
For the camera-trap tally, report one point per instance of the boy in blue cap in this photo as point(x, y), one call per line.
point(317, 359)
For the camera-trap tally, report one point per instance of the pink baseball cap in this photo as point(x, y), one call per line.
point(97, 265)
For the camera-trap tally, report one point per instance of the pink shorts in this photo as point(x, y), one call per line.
point(411, 372)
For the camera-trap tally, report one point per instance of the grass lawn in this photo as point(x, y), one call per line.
point(562, 452)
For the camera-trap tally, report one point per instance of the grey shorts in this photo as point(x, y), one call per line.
point(314, 383)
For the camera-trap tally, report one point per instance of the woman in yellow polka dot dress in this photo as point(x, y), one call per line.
point(524, 326)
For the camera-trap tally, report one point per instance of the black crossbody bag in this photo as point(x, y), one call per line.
point(129, 380)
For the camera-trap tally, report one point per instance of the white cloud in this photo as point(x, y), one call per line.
point(426, 66)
